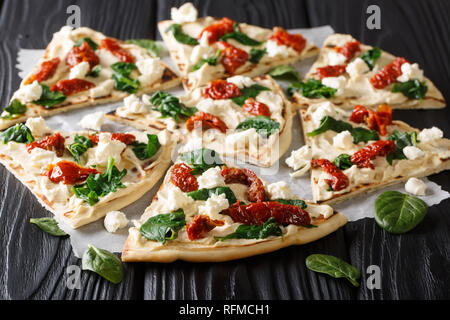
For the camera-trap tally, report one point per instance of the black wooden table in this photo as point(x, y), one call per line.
point(415, 265)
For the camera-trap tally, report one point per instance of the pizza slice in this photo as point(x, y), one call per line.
point(81, 176)
point(207, 210)
point(82, 67)
point(208, 48)
point(359, 151)
point(244, 118)
point(349, 73)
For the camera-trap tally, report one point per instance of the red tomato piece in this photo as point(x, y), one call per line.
point(221, 89)
point(200, 225)
point(256, 108)
point(82, 53)
point(331, 71)
point(232, 57)
point(388, 74)
point(255, 192)
point(126, 138)
point(181, 176)
point(207, 121)
point(54, 142)
point(68, 172)
point(72, 86)
point(282, 37)
point(380, 148)
point(218, 29)
point(375, 120)
point(46, 71)
point(339, 180)
point(349, 49)
point(113, 46)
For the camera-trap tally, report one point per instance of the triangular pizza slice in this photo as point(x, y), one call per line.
point(81, 176)
point(361, 150)
point(207, 210)
point(348, 73)
point(208, 48)
point(244, 118)
point(82, 67)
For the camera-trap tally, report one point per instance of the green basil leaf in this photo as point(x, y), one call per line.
point(205, 193)
point(334, 267)
point(104, 263)
point(343, 161)
point(147, 150)
point(163, 227)
point(49, 225)
point(361, 134)
point(330, 123)
point(269, 228)
point(240, 37)
point(212, 61)
point(180, 36)
point(154, 47)
point(285, 72)
point(123, 68)
point(256, 55)
point(95, 71)
point(413, 89)
point(90, 42)
point(79, 147)
point(249, 92)
point(371, 56)
point(124, 83)
point(170, 106)
point(402, 140)
point(202, 159)
point(312, 88)
point(399, 213)
point(292, 202)
point(263, 125)
point(49, 98)
point(14, 108)
point(18, 133)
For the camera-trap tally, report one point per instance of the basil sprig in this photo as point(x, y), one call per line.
point(249, 92)
point(240, 37)
point(256, 54)
point(205, 194)
point(170, 106)
point(263, 125)
point(285, 72)
point(180, 36)
point(292, 202)
point(95, 71)
point(402, 140)
point(18, 133)
point(14, 108)
point(361, 134)
point(343, 161)
point(163, 227)
point(334, 267)
point(79, 147)
point(312, 88)
point(413, 89)
point(154, 47)
point(104, 263)
point(122, 79)
point(49, 98)
point(212, 61)
point(49, 225)
point(371, 56)
point(202, 159)
point(90, 42)
point(269, 228)
point(146, 150)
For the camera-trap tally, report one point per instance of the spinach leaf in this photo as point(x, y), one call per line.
point(204, 194)
point(312, 88)
point(95, 71)
point(49, 98)
point(124, 83)
point(180, 36)
point(123, 68)
point(399, 213)
point(240, 37)
point(263, 125)
point(330, 123)
point(163, 227)
point(343, 161)
point(19, 133)
point(202, 159)
point(293, 202)
point(170, 106)
point(402, 140)
point(14, 108)
point(413, 89)
point(285, 72)
point(154, 47)
point(361, 134)
point(49, 225)
point(146, 150)
point(90, 42)
point(334, 267)
point(79, 146)
point(104, 263)
point(212, 61)
point(249, 92)
point(371, 56)
point(269, 228)
point(256, 54)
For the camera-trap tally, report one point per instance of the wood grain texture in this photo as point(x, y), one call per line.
point(413, 266)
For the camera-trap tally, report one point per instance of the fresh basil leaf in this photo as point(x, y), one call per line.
point(240, 37)
point(202, 159)
point(371, 56)
point(85, 193)
point(399, 213)
point(49, 98)
point(154, 47)
point(263, 125)
point(292, 202)
point(180, 36)
point(95, 71)
point(15, 107)
point(49, 225)
point(330, 123)
point(170, 106)
point(212, 61)
point(124, 83)
point(90, 42)
point(147, 150)
point(402, 140)
point(104, 263)
point(123, 68)
point(163, 227)
point(79, 147)
point(413, 89)
point(269, 228)
point(343, 161)
point(312, 88)
point(205, 193)
point(249, 92)
point(334, 267)
point(18, 133)
point(361, 134)
point(285, 72)
point(256, 55)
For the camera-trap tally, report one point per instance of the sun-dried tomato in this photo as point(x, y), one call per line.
point(359, 114)
point(388, 74)
point(349, 49)
point(54, 142)
point(113, 46)
point(255, 191)
point(181, 176)
point(82, 53)
point(231, 57)
point(282, 37)
point(338, 179)
point(221, 89)
point(380, 148)
point(256, 108)
point(384, 118)
point(331, 71)
point(375, 120)
point(46, 71)
point(217, 29)
point(207, 121)
point(72, 86)
point(200, 225)
point(68, 172)
point(126, 138)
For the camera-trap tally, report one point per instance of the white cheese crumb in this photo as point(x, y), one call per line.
point(176, 199)
point(185, 13)
point(103, 89)
point(274, 49)
point(134, 105)
point(316, 210)
point(410, 72)
point(108, 148)
point(300, 161)
point(241, 139)
point(214, 205)
point(151, 70)
point(241, 81)
point(280, 190)
point(211, 178)
point(343, 140)
point(337, 83)
point(413, 153)
point(29, 92)
point(324, 109)
point(80, 70)
point(415, 186)
point(115, 220)
point(336, 58)
point(38, 127)
point(92, 121)
point(356, 67)
point(427, 135)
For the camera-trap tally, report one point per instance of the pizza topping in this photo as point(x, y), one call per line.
point(182, 177)
point(380, 148)
point(232, 57)
point(349, 49)
point(114, 47)
point(206, 120)
point(83, 53)
point(338, 179)
point(68, 172)
point(375, 120)
point(256, 108)
point(126, 138)
point(71, 86)
point(389, 74)
point(221, 89)
point(255, 192)
point(217, 29)
point(201, 159)
point(200, 225)
point(54, 142)
point(46, 71)
point(331, 71)
point(185, 13)
point(282, 37)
